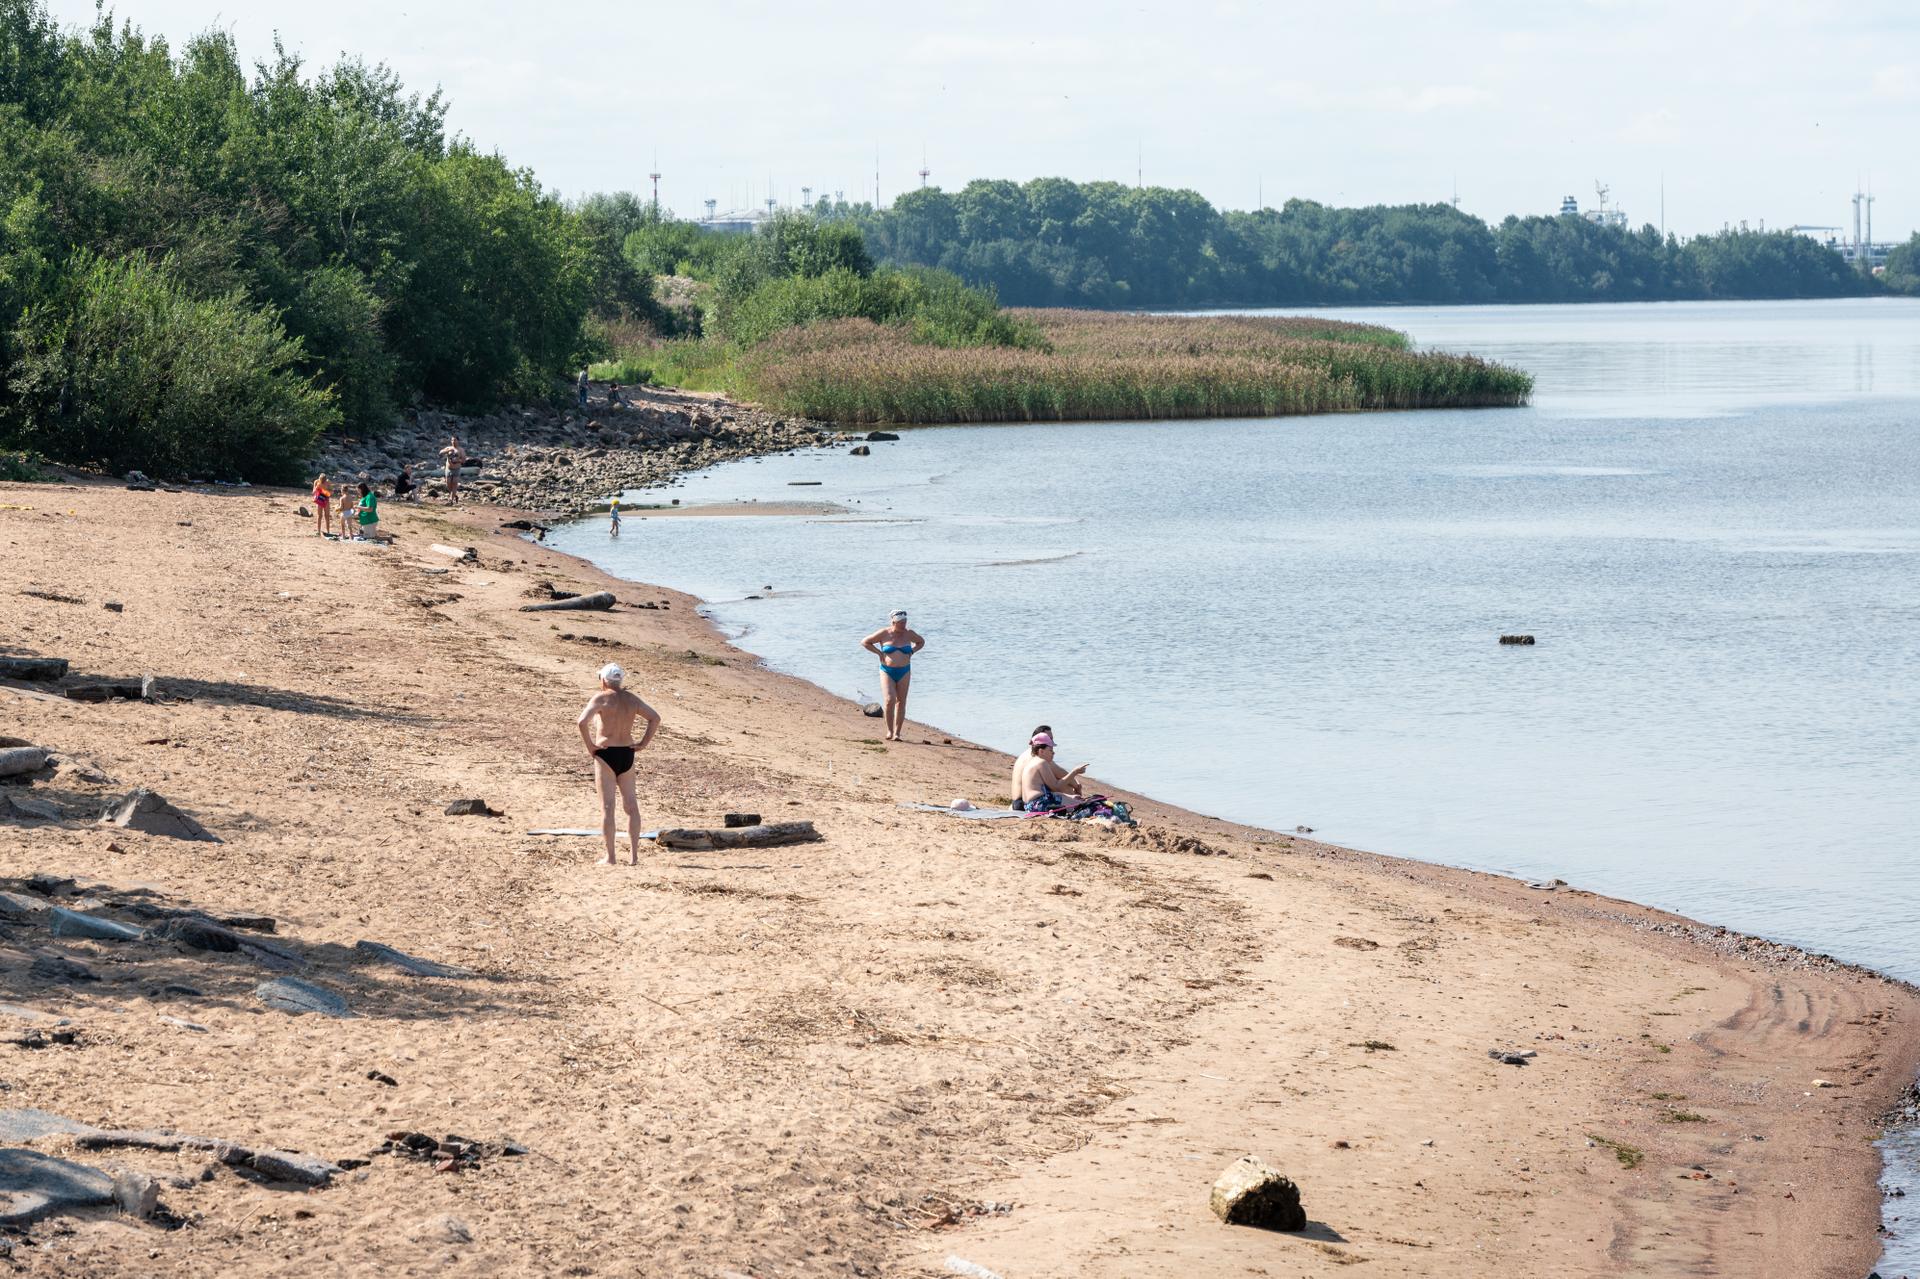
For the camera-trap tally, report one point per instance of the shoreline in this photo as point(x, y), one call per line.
point(1041, 1017)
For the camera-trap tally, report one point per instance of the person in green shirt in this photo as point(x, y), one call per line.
point(369, 514)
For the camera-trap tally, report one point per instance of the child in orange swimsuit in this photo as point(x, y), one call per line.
point(322, 507)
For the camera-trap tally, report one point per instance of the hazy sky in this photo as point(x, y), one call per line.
point(1755, 111)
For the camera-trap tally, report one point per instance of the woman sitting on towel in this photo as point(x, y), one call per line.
point(1041, 785)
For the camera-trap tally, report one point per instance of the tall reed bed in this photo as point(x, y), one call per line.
point(1099, 365)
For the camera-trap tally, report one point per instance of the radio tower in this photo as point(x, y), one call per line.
point(806, 196)
point(711, 204)
point(925, 172)
point(655, 175)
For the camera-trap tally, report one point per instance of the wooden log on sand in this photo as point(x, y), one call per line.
point(18, 760)
point(763, 836)
point(598, 601)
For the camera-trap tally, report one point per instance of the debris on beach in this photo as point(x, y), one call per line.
point(409, 963)
point(451, 1154)
point(1516, 639)
point(472, 808)
point(108, 690)
point(873, 710)
point(1512, 1056)
point(19, 761)
point(1253, 1193)
point(293, 996)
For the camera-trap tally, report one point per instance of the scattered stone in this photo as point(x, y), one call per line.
point(18, 761)
point(740, 819)
point(303, 512)
point(33, 1185)
point(1509, 1057)
point(294, 996)
point(409, 963)
point(1251, 1193)
point(471, 808)
point(873, 710)
point(859, 450)
point(444, 1229)
point(876, 437)
point(50, 966)
point(20, 808)
point(136, 1194)
point(143, 810)
point(379, 1077)
point(74, 923)
point(1825, 1083)
point(114, 606)
point(198, 934)
point(184, 1024)
point(33, 668)
point(1516, 639)
point(26, 1124)
point(285, 1165)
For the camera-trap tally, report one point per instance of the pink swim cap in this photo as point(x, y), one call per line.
point(1041, 739)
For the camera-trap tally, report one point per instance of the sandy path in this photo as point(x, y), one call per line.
point(839, 1058)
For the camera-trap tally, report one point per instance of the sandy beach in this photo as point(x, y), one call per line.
point(1028, 1045)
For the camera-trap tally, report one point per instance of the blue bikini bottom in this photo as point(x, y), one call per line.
point(897, 673)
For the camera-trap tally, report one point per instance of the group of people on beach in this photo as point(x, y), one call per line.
point(1037, 785)
point(363, 525)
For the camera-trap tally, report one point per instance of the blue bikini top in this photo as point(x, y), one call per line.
point(897, 648)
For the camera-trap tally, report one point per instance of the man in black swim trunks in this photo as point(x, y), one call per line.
point(615, 709)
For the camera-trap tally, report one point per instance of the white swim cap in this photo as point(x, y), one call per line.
point(611, 674)
point(899, 615)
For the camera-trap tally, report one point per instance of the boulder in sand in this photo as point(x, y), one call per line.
point(197, 934)
point(19, 808)
point(145, 811)
point(471, 808)
point(291, 995)
point(33, 1185)
point(873, 710)
point(136, 1194)
point(1252, 1193)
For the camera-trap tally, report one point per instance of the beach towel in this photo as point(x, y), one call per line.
point(971, 814)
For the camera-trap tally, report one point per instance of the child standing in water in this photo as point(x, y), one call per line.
point(613, 517)
point(322, 507)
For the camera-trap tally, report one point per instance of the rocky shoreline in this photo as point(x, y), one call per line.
point(566, 462)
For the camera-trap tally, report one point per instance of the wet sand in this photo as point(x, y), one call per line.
point(1028, 1045)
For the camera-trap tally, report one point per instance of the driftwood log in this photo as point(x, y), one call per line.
point(763, 836)
point(17, 760)
point(33, 667)
point(457, 552)
point(599, 600)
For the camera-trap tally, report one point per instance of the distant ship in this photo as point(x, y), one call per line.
point(1602, 216)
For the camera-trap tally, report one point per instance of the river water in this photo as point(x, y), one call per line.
point(1709, 518)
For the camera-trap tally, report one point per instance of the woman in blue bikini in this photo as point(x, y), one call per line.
point(895, 646)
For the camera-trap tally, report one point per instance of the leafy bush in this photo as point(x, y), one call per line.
point(123, 368)
point(21, 466)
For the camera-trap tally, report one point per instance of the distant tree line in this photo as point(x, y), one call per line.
point(201, 269)
point(1053, 242)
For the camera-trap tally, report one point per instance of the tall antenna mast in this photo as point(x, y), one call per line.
point(876, 177)
point(655, 175)
point(1139, 165)
point(806, 196)
point(925, 172)
point(1456, 191)
point(1663, 205)
point(711, 204)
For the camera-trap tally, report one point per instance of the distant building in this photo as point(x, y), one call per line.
point(736, 222)
point(1602, 216)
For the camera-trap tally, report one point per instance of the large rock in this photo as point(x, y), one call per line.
point(33, 1185)
point(20, 808)
point(409, 963)
point(197, 934)
point(292, 995)
point(136, 1194)
point(145, 811)
point(25, 1124)
point(74, 923)
point(1252, 1193)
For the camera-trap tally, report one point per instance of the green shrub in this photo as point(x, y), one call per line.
point(123, 368)
point(20, 466)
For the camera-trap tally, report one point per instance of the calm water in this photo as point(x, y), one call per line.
point(1710, 518)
